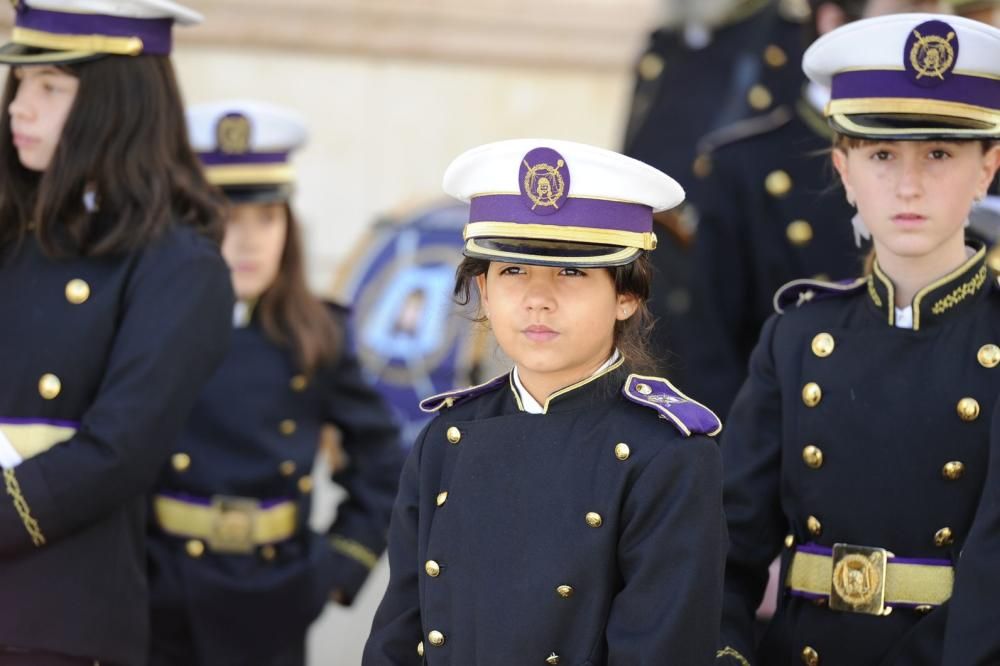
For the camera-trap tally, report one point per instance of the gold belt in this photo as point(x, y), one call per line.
point(227, 524)
point(31, 437)
point(860, 579)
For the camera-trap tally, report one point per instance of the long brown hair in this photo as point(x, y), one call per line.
point(126, 141)
point(292, 316)
point(630, 335)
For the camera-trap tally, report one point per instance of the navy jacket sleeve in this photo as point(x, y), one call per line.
point(723, 327)
point(370, 438)
point(971, 638)
point(751, 454)
point(174, 330)
point(396, 629)
point(673, 514)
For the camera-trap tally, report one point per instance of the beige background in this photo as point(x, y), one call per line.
point(392, 91)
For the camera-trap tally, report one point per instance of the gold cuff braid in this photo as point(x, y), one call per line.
point(354, 550)
point(21, 506)
point(730, 652)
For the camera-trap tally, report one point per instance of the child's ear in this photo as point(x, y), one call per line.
point(839, 156)
point(627, 305)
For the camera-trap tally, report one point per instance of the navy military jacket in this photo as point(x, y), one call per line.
point(771, 213)
point(114, 350)
point(682, 93)
point(849, 430)
point(254, 432)
point(591, 534)
point(972, 638)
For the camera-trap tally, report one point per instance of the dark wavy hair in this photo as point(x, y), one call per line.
point(126, 141)
point(630, 335)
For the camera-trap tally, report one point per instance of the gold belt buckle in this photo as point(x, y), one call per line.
point(858, 584)
point(233, 522)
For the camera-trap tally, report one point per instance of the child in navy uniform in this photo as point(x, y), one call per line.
point(569, 511)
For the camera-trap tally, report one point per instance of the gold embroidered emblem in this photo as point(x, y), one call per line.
point(961, 292)
point(21, 506)
point(932, 55)
point(544, 185)
point(233, 135)
point(857, 578)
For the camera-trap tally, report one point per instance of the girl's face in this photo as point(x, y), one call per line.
point(38, 113)
point(914, 196)
point(253, 245)
point(553, 322)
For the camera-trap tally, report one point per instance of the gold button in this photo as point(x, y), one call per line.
point(815, 527)
point(594, 519)
point(49, 386)
point(552, 659)
point(287, 427)
point(420, 649)
point(454, 435)
point(823, 345)
point(180, 461)
point(923, 609)
point(775, 56)
point(432, 568)
point(442, 497)
point(305, 485)
point(968, 409)
point(943, 537)
point(268, 552)
point(789, 540)
point(650, 67)
point(298, 383)
point(993, 258)
point(644, 389)
point(702, 166)
point(436, 638)
point(812, 394)
point(799, 232)
point(778, 183)
point(813, 456)
point(759, 97)
point(565, 591)
point(810, 657)
point(77, 291)
point(953, 470)
point(622, 452)
point(287, 467)
point(989, 356)
point(195, 548)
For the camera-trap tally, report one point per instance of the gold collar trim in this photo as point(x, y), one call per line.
point(563, 391)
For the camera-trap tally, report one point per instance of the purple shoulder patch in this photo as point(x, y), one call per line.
point(799, 292)
point(689, 416)
point(440, 401)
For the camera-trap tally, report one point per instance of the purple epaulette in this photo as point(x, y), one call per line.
point(799, 292)
point(689, 416)
point(451, 398)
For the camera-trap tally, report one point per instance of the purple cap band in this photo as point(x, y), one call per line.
point(574, 212)
point(959, 88)
point(207, 501)
point(218, 158)
point(14, 420)
point(155, 33)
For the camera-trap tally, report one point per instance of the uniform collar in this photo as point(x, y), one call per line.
point(940, 300)
point(575, 395)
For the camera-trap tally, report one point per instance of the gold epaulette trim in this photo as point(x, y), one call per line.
point(730, 652)
point(21, 506)
point(354, 550)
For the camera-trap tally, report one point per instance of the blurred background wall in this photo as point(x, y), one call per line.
point(392, 91)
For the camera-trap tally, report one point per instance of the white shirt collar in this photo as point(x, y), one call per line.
point(532, 406)
point(904, 317)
